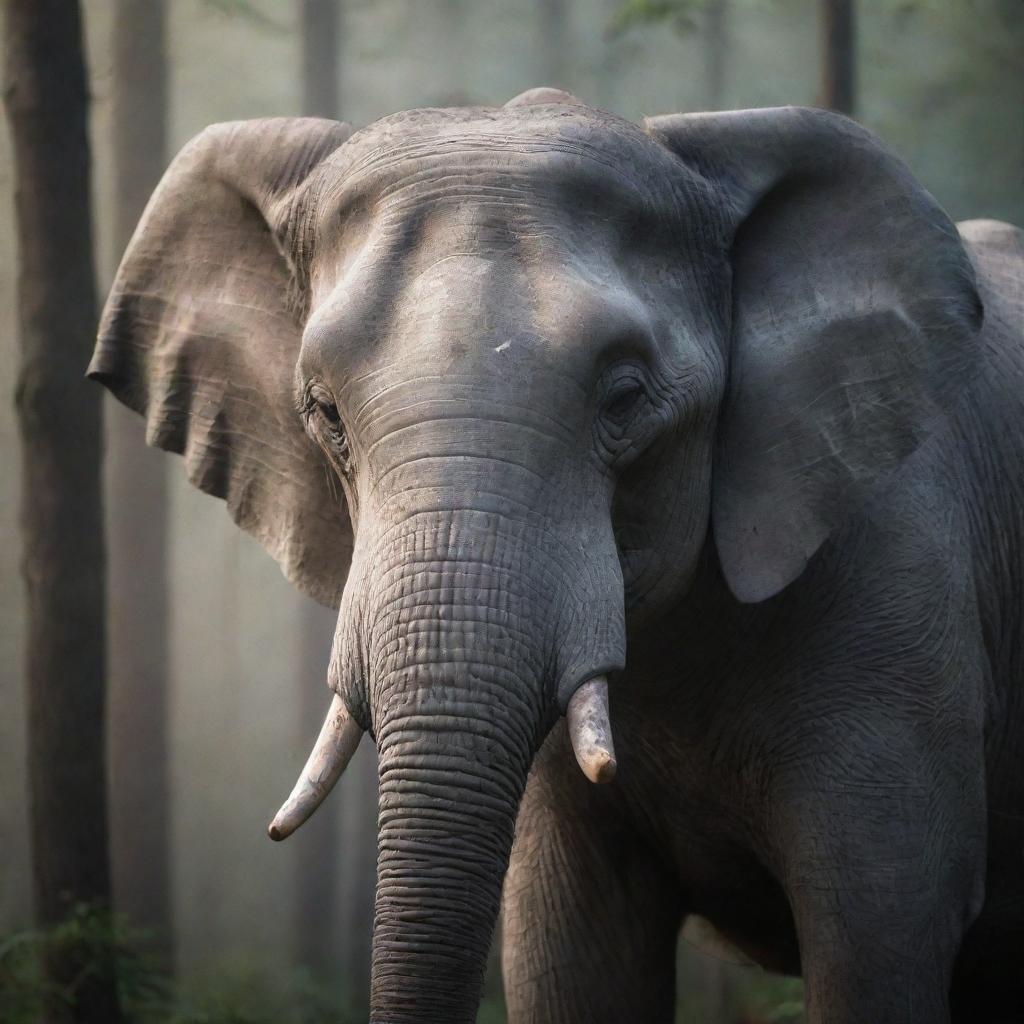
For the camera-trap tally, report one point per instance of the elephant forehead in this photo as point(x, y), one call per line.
point(503, 244)
point(558, 169)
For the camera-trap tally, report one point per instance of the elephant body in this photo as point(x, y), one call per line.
point(861, 826)
point(715, 422)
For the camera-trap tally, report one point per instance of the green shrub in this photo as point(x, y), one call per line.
point(245, 992)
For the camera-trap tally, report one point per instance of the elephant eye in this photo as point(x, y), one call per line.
point(630, 414)
point(623, 402)
point(330, 412)
point(322, 401)
point(324, 422)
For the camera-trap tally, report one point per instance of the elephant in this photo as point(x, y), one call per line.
point(687, 453)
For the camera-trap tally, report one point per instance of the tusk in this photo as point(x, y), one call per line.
point(334, 748)
point(591, 730)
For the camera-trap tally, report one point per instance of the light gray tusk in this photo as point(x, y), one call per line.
point(591, 730)
point(334, 748)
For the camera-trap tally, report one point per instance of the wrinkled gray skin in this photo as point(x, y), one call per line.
point(708, 403)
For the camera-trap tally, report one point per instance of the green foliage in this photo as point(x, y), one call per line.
point(492, 1011)
point(679, 13)
point(246, 995)
point(776, 1000)
point(683, 14)
point(21, 985)
point(247, 10)
point(745, 994)
point(90, 936)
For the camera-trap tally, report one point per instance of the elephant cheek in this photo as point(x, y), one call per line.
point(661, 515)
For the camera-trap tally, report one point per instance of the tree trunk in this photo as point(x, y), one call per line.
point(137, 520)
point(838, 56)
point(60, 421)
point(318, 852)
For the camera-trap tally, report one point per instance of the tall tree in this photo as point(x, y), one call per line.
point(838, 56)
point(59, 414)
point(137, 518)
point(318, 852)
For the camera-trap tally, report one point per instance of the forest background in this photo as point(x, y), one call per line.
point(216, 666)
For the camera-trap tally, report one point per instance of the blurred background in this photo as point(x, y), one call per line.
point(216, 667)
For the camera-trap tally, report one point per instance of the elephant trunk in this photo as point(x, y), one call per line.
point(461, 630)
point(447, 815)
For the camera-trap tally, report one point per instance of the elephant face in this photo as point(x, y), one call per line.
point(508, 339)
point(484, 377)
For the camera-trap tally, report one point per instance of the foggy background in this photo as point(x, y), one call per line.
point(942, 81)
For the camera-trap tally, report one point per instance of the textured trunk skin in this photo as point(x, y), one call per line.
point(457, 647)
point(444, 845)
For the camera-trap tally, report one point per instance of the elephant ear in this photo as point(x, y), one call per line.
point(202, 329)
point(854, 326)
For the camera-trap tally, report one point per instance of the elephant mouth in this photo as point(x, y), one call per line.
point(467, 616)
point(587, 716)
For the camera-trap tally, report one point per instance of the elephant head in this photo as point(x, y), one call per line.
point(490, 380)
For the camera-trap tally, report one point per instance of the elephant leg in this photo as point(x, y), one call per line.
point(883, 883)
point(590, 919)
